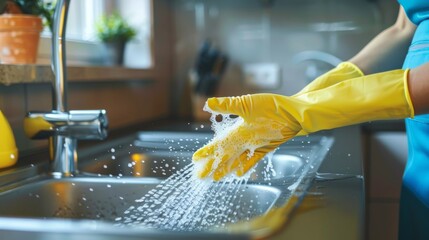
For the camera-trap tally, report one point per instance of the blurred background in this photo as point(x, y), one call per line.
point(273, 45)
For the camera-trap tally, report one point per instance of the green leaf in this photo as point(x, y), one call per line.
point(44, 9)
point(114, 28)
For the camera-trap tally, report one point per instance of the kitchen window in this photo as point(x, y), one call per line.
point(83, 47)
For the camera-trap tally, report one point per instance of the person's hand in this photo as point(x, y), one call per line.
point(266, 124)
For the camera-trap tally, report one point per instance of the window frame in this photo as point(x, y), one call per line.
point(88, 50)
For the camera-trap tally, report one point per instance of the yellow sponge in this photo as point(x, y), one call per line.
point(8, 150)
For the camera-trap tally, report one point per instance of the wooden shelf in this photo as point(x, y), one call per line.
point(28, 73)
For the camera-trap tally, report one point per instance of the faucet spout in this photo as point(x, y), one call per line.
point(58, 62)
point(62, 127)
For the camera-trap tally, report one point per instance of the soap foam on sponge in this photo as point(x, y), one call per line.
point(234, 136)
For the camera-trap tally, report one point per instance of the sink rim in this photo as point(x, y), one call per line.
point(31, 226)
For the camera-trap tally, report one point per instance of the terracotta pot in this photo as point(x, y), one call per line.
point(19, 38)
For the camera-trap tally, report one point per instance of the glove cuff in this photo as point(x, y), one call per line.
point(379, 96)
point(407, 93)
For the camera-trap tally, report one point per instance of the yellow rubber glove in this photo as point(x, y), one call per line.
point(269, 120)
point(344, 71)
point(8, 150)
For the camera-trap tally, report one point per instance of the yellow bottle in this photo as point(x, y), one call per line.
point(8, 150)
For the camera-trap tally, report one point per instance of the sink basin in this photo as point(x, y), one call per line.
point(116, 175)
point(103, 199)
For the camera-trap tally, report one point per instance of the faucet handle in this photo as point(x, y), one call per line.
point(76, 124)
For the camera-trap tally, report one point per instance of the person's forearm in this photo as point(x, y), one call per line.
point(418, 86)
point(388, 49)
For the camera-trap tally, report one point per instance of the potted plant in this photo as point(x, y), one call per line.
point(20, 27)
point(115, 32)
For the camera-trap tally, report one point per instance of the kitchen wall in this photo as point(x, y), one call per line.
point(279, 32)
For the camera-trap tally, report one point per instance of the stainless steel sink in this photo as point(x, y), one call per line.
point(114, 175)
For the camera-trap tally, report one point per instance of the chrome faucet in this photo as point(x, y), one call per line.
point(312, 71)
point(62, 127)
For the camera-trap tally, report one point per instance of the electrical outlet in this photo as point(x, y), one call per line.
point(262, 75)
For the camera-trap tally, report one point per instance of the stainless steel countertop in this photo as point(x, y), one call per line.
point(340, 209)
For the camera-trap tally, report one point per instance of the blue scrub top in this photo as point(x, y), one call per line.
point(417, 10)
point(414, 205)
